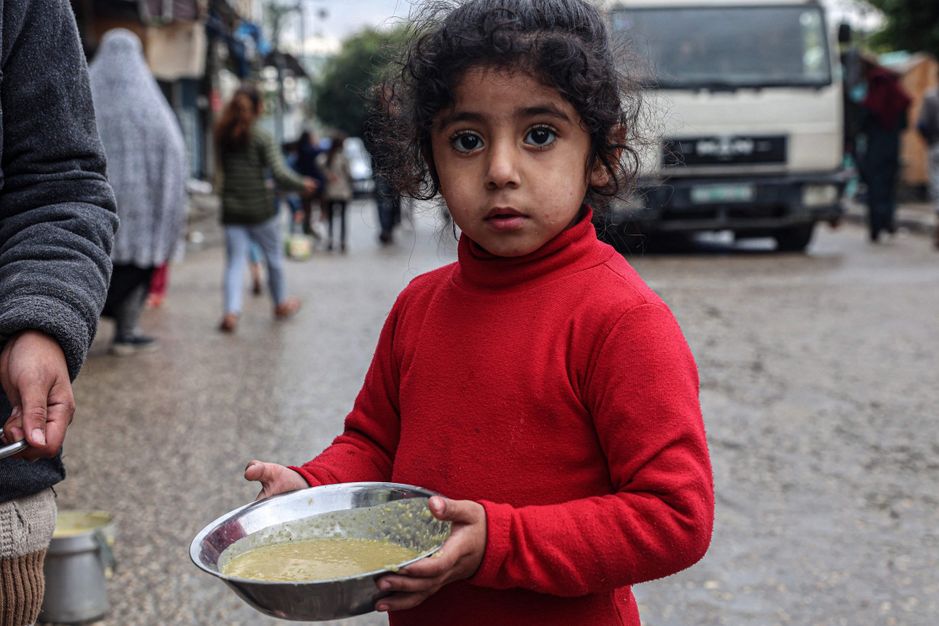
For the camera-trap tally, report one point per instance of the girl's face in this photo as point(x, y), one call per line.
point(511, 157)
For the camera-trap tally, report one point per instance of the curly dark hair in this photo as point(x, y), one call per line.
point(562, 43)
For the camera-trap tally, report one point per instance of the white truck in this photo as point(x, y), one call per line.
point(747, 108)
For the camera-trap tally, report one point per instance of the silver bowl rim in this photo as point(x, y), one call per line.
point(194, 546)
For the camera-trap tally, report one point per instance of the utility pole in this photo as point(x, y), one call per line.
point(276, 13)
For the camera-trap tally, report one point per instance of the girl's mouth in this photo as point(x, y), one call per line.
point(504, 218)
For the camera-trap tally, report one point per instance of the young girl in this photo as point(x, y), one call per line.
point(537, 382)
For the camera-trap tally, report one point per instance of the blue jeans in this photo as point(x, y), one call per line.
point(238, 239)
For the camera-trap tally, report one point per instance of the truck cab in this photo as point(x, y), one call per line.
point(747, 118)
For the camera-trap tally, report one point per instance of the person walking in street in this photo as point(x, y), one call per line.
point(57, 222)
point(308, 164)
point(388, 205)
point(928, 127)
point(338, 191)
point(249, 213)
point(147, 169)
point(884, 111)
point(538, 382)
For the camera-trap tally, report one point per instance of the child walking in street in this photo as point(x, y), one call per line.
point(338, 192)
point(537, 382)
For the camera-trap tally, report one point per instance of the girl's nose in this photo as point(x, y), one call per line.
point(503, 166)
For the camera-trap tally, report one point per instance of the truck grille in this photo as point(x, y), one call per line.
point(724, 150)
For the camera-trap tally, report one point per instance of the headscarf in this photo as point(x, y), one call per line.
point(145, 150)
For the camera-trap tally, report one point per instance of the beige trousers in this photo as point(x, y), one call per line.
point(26, 527)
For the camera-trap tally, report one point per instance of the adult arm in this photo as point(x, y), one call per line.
point(57, 214)
point(643, 394)
point(366, 448)
point(272, 157)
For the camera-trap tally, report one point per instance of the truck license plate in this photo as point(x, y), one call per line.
point(712, 194)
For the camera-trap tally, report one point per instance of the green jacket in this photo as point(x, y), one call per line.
point(247, 198)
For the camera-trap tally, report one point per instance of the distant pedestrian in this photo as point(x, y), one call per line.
point(249, 213)
point(147, 168)
point(338, 191)
point(928, 127)
point(57, 221)
point(388, 205)
point(308, 164)
point(538, 382)
point(884, 111)
point(387, 196)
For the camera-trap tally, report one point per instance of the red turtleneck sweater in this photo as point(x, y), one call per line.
point(557, 390)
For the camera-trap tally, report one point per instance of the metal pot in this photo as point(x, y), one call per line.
point(76, 568)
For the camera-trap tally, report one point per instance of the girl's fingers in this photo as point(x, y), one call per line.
point(407, 584)
point(456, 511)
point(274, 478)
point(435, 565)
point(401, 601)
point(254, 470)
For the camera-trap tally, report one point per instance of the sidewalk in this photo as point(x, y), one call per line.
point(916, 217)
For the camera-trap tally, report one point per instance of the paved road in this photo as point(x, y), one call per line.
point(819, 390)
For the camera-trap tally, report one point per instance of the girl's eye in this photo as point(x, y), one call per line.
point(541, 136)
point(466, 142)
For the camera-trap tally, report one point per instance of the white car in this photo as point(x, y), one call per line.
point(360, 166)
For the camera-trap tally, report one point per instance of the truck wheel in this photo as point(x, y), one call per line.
point(794, 238)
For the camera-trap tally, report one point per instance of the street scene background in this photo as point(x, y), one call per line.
point(817, 363)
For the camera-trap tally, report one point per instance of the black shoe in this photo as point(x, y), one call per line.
point(126, 346)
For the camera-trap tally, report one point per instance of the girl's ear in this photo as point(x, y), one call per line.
point(600, 175)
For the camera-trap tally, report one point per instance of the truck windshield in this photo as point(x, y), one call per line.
point(727, 47)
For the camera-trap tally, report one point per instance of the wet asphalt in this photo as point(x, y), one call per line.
point(819, 390)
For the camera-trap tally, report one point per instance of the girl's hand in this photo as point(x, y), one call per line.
point(459, 557)
point(274, 478)
point(35, 378)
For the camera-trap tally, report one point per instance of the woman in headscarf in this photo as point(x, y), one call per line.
point(249, 214)
point(147, 168)
point(884, 118)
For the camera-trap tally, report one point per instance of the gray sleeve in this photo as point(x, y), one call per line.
point(57, 212)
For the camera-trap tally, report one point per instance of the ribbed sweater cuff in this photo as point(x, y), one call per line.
point(21, 588)
point(498, 544)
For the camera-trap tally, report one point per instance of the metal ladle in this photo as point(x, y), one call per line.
point(14, 448)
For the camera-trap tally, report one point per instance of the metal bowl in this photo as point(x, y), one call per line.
point(385, 511)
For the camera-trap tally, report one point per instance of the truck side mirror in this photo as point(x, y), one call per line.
point(844, 33)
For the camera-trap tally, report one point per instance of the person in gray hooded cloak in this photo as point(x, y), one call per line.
point(147, 169)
